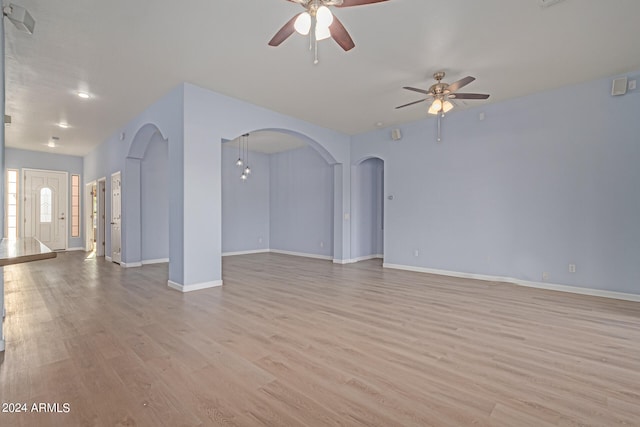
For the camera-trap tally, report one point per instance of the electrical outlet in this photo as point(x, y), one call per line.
point(322, 244)
point(259, 239)
point(572, 268)
point(545, 277)
point(416, 252)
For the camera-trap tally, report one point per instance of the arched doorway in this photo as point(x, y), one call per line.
point(285, 204)
point(367, 206)
point(145, 227)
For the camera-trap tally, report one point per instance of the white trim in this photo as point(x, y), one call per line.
point(324, 257)
point(155, 261)
point(539, 285)
point(66, 202)
point(79, 248)
point(108, 258)
point(130, 264)
point(255, 251)
point(354, 260)
point(343, 261)
point(194, 287)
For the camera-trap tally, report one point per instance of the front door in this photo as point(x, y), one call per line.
point(116, 213)
point(46, 206)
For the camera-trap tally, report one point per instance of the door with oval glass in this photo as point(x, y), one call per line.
point(45, 208)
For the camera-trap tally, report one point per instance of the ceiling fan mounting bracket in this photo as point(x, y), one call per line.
point(439, 76)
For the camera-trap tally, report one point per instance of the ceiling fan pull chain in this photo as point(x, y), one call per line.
point(315, 60)
point(439, 128)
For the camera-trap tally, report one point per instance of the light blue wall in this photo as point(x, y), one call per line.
point(302, 194)
point(73, 165)
point(366, 208)
point(154, 182)
point(116, 154)
point(210, 118)
point(541, 182)
point(245, 204)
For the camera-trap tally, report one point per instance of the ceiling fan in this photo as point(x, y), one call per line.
point(442, 93)
point(318, 16)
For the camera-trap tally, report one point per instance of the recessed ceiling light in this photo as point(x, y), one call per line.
point(84, 95)
point(63, 125)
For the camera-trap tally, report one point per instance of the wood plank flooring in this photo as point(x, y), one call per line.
point(295, 341)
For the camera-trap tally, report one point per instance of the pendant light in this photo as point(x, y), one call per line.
point(243, 156)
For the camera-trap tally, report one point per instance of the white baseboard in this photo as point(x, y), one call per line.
point(155, 261)
point(108, 258)
point(520, 282)
point(358, 259)
point(76, 249)
point(255, 251)
point(302, 254)
point(194, 287)
point(131, 264)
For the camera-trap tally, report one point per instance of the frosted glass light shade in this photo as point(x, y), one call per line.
point(435, 107)
point(322, 32)
point(303, 23)
point(324, 17)
point(447, 106)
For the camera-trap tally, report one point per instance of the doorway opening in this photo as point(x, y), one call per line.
point(367, 238)
point(96, 217)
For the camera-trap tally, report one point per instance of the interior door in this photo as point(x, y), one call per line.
point(46, 206)
point(101, 217)
point(116, 214)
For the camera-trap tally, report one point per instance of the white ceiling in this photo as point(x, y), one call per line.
point(130, 53)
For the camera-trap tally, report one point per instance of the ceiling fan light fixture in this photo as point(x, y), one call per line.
point(303, 23)
point(447, 106)
point(436, 106)
point(324, 17)
point(322, 32)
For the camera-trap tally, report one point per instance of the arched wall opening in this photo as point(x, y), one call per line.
point(145, 204)
point(286, 204)
point(367, 208)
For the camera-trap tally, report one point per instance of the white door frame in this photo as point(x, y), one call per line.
point(102, 217)
point(23, 195)
point(117, 259)
point(88, 210)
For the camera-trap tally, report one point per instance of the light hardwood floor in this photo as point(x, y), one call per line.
point(294, 341)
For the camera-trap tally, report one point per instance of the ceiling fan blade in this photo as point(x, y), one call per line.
point(411, 103)
point(284, 32)
point(349, 3)
point(460, 84)
point(415, 89)
point(469, 96)
point(340, 35)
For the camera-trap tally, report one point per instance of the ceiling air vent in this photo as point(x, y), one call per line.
point(547, 3)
